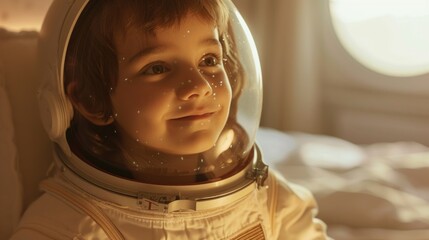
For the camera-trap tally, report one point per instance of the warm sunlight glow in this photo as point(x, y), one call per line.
point(24, 15)
point(388, 36)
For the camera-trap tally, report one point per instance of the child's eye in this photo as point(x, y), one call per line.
point(209, 60)
point(156, 68)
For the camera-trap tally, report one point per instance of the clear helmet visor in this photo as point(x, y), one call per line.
point(165, 93)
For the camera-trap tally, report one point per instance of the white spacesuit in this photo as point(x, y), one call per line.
point(194, 172)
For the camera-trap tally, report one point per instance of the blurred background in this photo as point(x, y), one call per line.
point(354, 69)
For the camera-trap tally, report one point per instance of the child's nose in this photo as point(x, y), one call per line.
point(194, 86)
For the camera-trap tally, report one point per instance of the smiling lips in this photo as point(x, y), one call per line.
point(193, 117)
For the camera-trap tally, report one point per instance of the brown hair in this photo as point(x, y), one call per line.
point(92, 63)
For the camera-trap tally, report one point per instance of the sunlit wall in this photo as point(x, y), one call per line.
point(23, 15)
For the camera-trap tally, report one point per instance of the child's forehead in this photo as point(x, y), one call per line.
point(190, 31)
point(150, 17)
point(152, 27)
point(186, 24)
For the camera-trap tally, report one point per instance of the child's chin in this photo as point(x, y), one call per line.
point(195, 148)
point(197, 143)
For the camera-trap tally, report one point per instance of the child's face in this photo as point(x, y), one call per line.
point(173, 93)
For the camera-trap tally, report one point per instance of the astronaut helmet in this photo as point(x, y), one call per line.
point(162, 92)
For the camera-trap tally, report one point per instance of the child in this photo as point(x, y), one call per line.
point(155, 149)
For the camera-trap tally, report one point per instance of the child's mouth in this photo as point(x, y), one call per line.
point(193, 117)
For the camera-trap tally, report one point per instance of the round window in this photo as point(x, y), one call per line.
point(388, 36)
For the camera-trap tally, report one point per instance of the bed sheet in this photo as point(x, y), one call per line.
point(378, 191)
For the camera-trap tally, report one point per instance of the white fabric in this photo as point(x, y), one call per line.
point(293, 218)
point(370, 192)
point(10, 184)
